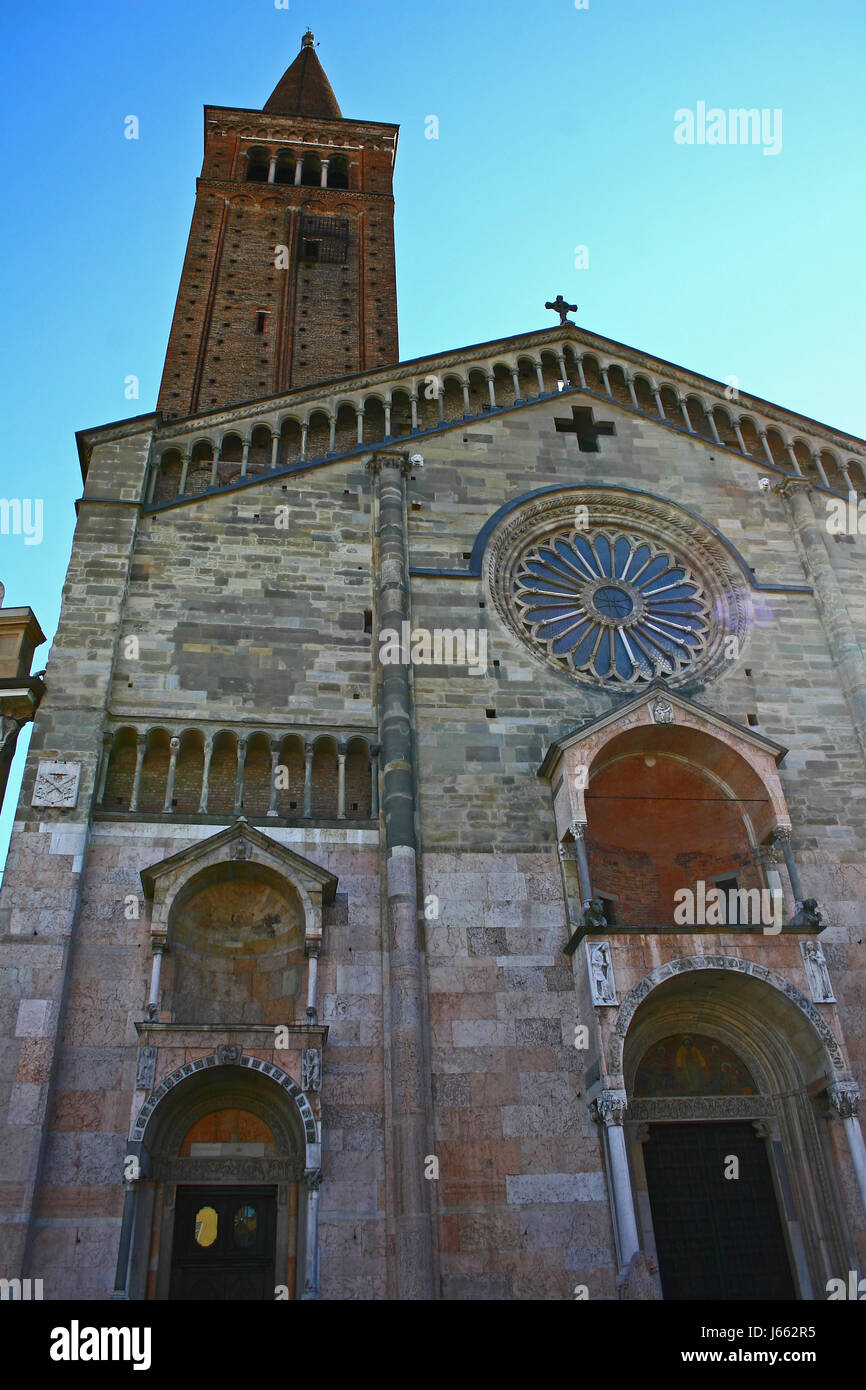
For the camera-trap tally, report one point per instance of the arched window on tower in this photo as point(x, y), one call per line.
point(285, 170)
point(257, 166)
point(338, 172)
point(311, 174)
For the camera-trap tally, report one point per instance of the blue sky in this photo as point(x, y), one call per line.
point(556, 130)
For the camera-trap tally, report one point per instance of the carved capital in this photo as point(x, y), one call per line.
point(578, 829)
point(313, 1179)
point(794, 484)
point(844, 1098)
point(782, 834)
point(612, 1106)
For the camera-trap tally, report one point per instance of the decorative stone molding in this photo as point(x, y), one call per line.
point(269, 1069)
point(649, 1109)
point(228, 1170)
point(736, 965)
point(56, 784)
point(720, 597)
point(229, 1054)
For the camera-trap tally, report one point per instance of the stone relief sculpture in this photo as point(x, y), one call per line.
point(56, 784)
point(817, 973)
point(601, 973)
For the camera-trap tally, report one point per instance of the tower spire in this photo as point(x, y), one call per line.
point(304, 90)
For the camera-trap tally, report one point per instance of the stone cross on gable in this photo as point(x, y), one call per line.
point(559, 306)
point(585, 427)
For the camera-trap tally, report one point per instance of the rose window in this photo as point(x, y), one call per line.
point(610, 606)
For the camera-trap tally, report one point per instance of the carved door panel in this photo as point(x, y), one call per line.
point(717, 1237)
point(224, 1243)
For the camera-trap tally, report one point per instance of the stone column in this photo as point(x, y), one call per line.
point(341, 783)
point(713, 426)
point(275, 450)
point(580, 372)
point(299, 169)
point(155, 974)
point(184, 470)
point(413, 406)
point(684, 411)
point(515, 377)
point(629, 381)
point(606, 381)
point(816, 459)
point(304, 429)
point(845, 1099)
point(214, 467)
point(658, 400)
point(578, 831)
point(107, 741)
point(440, 399)
point(205, 773)
point(374, 782)
point(312, 981)
point(539, 374)
point(272, 169)
point(413, 1237)
point(491, 390)
point(332, 433)
point(323, 180)
point(789, 450)
point(360, 423)
point(611, 1108)
point(308, 780)
point(767, 860)
point(245, 457)
point(239, 775)
point(735, 426)
point(121, 1292)
point(765, 445)
point(847, 653)
point(275, 764)
point(466, 410)
point(155, 471)
point(782, 837)
point(313, 1181)
point(174, 745)
point(388, 419)
point(136, 780)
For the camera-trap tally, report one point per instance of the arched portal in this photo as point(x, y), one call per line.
point(731, 1167)
point(222, 1146)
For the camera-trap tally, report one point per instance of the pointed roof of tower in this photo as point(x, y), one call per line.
point(303, 89)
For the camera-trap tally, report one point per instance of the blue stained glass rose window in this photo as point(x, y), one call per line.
point(611, 606)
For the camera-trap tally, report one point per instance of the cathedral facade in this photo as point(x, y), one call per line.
point(439, 867)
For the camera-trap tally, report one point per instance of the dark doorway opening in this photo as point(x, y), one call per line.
point(224, 1243)
point(717, 1237)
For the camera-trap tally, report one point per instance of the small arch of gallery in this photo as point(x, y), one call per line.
point(193, 773)
point(472, 391)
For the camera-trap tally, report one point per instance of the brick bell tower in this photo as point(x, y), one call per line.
point(289, 274)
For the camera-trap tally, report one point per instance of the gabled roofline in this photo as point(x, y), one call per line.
point(767, 745)
point(240, 829)
point(280, 116)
